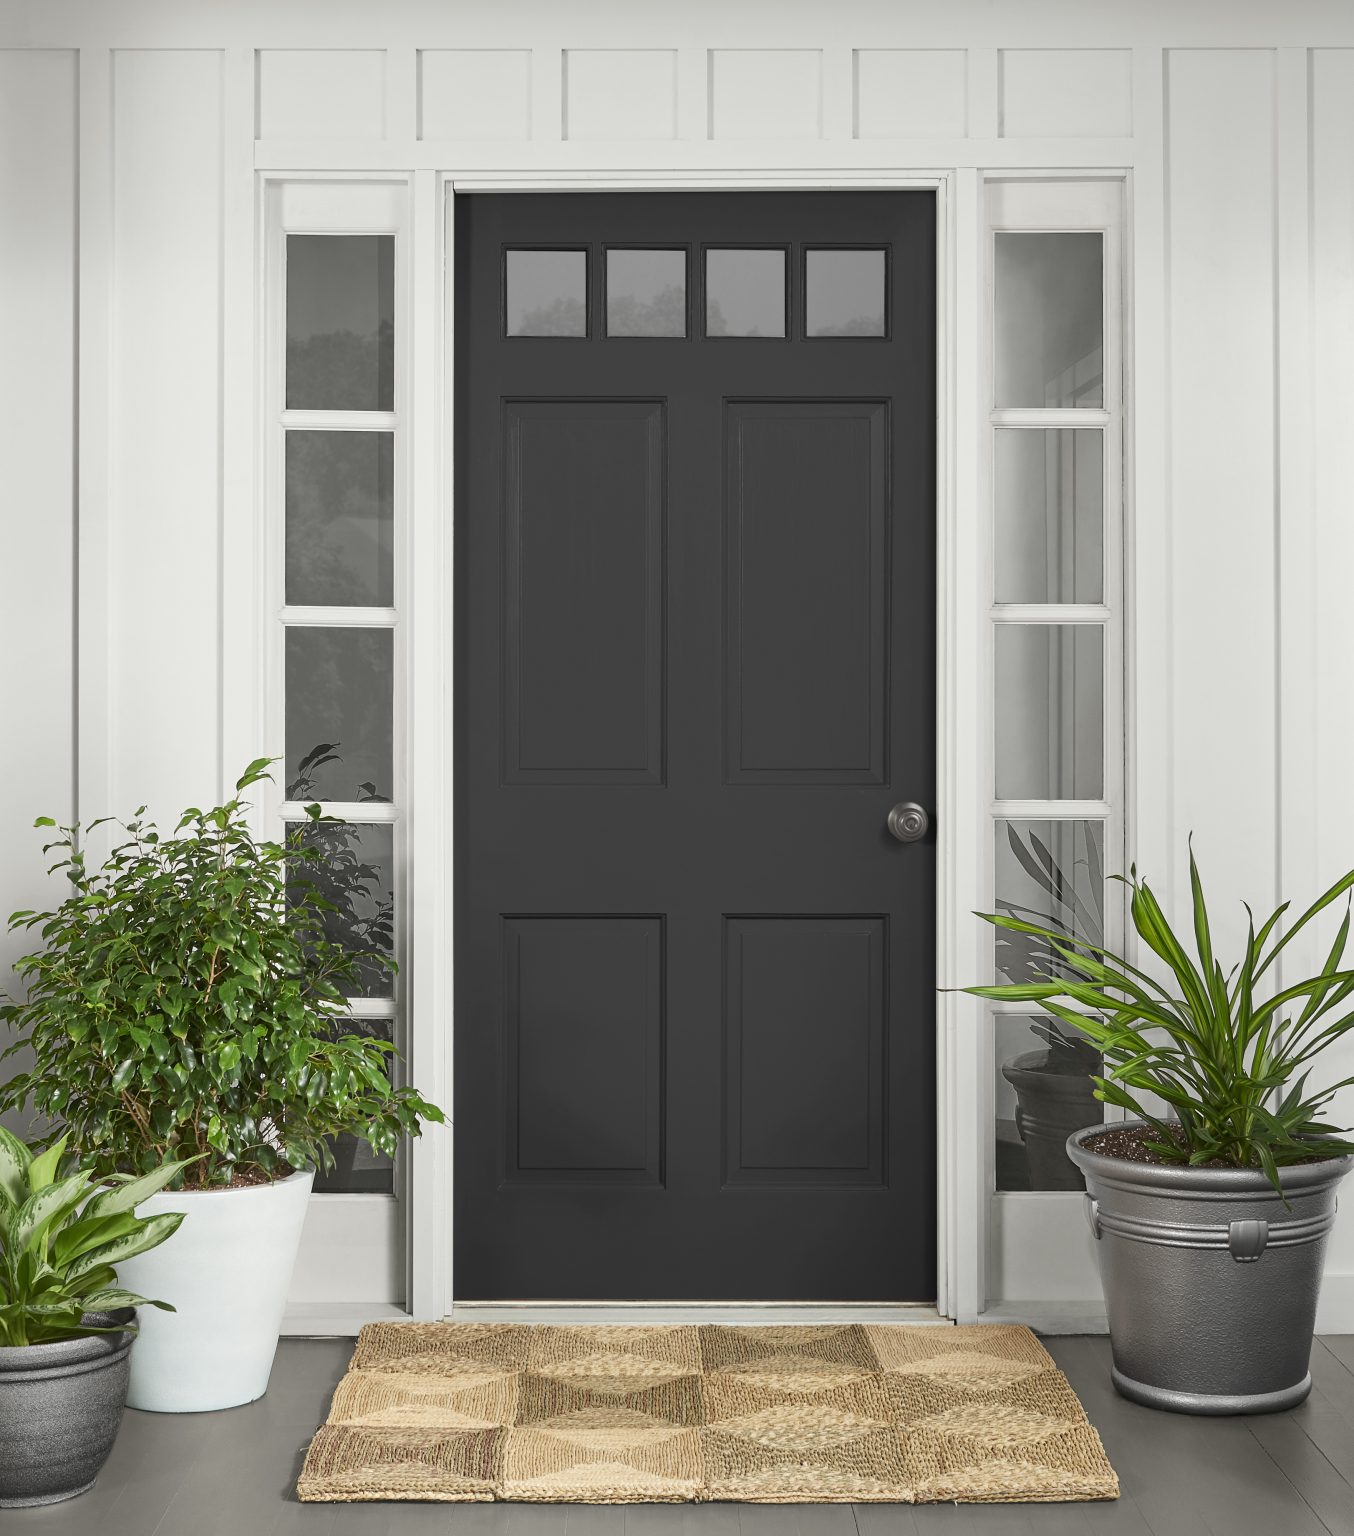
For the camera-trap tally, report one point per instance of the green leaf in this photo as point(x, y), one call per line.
point(42, 1169)
point(131, 1194)
point(153, 1231)
point(14, 1161)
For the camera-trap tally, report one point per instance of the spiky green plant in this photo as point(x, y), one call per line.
point(1231, 1065)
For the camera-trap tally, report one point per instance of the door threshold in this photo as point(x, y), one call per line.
point(739, 1314)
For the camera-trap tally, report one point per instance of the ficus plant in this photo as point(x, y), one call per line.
point(1229, 1052)
point(61, 1235)
point(189, 1002)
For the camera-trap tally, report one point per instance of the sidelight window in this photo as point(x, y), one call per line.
point(336, 455)
point(1054, 436)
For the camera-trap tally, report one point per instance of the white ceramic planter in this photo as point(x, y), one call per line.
point(227, 1270)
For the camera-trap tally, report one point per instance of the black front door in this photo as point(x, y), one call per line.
point(694, 1052)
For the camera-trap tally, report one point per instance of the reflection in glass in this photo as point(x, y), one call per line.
point(340, 518)
point(1044, 1092)
point(357, 1168)
point(1050, 873)
point(1049, 518)
point(547, 293)
point(844, 293)
point(1049, 697)
point(1048, 330)
point(353, 875)
point(339, 711)
point(645, 293)
point(341, 322)
point(744, 293)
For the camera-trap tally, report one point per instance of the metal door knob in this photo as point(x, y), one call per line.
point(909, 822)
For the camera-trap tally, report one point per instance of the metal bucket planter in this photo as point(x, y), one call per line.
point(60, 1408)
point(1050, 1106)
point(1210, 1280)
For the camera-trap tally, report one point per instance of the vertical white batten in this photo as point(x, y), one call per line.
point(93, 478)
point(242, 721)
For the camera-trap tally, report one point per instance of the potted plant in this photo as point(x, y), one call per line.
point(1212, 1206)
point(190, 1002)
point(66, 1324)
point(1054, 1087)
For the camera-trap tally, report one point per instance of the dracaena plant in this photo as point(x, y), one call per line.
point(60, 1237)
point(1227, 1050)
point(190, 1001)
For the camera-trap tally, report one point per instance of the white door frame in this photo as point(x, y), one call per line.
point(961, 1215)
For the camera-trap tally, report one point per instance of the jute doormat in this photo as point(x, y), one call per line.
point(624, 1415)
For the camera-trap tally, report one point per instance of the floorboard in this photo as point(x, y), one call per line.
point(234, 1474)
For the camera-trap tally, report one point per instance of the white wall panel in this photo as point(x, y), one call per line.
point(766, 93)
point(1221, 472)
point(313, 93)
point(475, 93)
point(37, 448)
point(1065, 93)
point(620, 93)
point(910, 93)
point(164, 414)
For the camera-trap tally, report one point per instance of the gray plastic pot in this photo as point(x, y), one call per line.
point(1210, 1280)
point(60, 1408)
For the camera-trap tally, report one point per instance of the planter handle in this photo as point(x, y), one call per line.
point(1093, 1216)
point(1246, 1240)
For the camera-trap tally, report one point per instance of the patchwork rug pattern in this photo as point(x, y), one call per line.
point(779, 1415)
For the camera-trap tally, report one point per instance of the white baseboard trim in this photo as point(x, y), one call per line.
point(741, 1314)
point(1050, 1317)
point(325, 1319)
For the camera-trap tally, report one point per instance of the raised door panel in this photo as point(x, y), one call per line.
point(804, 1050)
point(583, 595)
point(583, 1049)
point(806, 534)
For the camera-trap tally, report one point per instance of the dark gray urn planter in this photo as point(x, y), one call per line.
point(60, 1407)
point(1049, 1107)
point(1210, 1280)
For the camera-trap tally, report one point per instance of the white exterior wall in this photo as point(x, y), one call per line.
point(131, 135)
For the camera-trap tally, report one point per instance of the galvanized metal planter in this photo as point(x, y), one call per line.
point(60, 1408)
point(1210, 1280)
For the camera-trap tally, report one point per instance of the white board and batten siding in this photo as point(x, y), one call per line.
point(134, 143)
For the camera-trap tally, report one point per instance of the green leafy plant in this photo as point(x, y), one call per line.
point(189, 1003)
point(61, 1235)
point(1231, 1065)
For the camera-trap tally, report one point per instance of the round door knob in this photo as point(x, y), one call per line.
point(909, 822)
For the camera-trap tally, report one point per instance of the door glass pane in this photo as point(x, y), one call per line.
point(1049, 698)
point(357, 1169)
point(547, 293)
point(1044, 1092)
point(354, 876)
point(844, 293)
point(645, 293)
point(341, 322)
point(339, 713)
point(744, 293)
point(1052, 874)
point(1048, 319)
point(340, 518)
point(1049, 512)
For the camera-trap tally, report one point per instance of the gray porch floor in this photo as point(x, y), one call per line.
point(232, 1474)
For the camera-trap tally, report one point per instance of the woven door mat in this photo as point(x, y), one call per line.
point(778, 1415)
